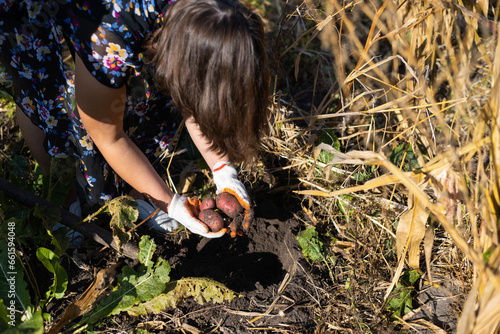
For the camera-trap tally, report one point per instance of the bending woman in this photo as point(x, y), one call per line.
point(113, 110)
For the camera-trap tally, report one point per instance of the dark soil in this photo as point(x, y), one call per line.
point(265, 266)
point(280, 291)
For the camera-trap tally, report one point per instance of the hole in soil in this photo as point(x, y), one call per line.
point(248, 269)
point(255, 261)
point(243, 264)
point(241, 273)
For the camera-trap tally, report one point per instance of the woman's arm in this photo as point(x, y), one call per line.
point(101, 110)
point(203, 145)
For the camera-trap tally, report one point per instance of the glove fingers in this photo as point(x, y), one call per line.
point(233, 229)
point(193, 206)
point(203, 230)
point(194, 202)
point(197, 227)
point(247, 219)
point(213, 235)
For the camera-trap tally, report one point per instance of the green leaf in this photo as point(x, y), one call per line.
point(362, 176)
point(123, 217)
point(147, 248)
point(4, 319)
point(32, 225)
point(33, 325)
point(404, 151)
point(60, 240)
point(411, 277)
point(311, 246)
point(39, 179)
point(313, 249)
point(153, 282)
point(51, 261)
point(487, 254)
point(402, 302)
point(12, 284)
point(37, 229)
point(134, 287)
point(202, 289)
point(327, 136)
point(344, 208)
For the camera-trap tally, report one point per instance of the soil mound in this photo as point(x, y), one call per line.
point(265, 266)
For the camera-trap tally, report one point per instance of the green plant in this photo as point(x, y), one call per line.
point(32, 325)
point(404, 157)
point(134, 287)
point(343, 203)
point(26, 230)
point(123, 217)
point(51, 262)
point(149, 289)
point(17, 313)
point(313, 249)
point(402, 302)
point(328, 137)
point(13, 289)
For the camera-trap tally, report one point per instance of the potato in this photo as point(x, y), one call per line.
point(212, 219)
point(228, 204)
point(207, 203)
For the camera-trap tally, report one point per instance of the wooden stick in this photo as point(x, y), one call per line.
point(68, 219)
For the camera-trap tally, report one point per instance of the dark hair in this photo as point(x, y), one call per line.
point(210, 56)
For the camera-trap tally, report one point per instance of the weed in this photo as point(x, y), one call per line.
point(402, 302)
point(313, 249)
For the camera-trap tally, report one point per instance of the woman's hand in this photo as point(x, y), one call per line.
point(226, 180)
point(225, 176)
point(186, 211)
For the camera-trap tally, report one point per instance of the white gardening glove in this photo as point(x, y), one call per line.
point(161, 222)
point(226, 180)
point(186, 211)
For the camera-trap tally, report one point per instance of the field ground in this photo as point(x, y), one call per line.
point(377, 196)
point(280, 290)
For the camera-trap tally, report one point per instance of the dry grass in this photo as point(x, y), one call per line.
point(381, 76)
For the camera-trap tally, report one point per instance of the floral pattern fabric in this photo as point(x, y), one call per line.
point(37, 37)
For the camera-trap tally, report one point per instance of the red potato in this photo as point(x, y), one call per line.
point(207, 203)
point(228, 204)
point(212, 219)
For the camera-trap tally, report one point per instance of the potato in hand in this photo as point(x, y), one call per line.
point(207, 203)
point(212, 219)
point(228, 204)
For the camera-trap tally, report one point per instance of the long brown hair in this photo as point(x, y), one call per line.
point(210, 56)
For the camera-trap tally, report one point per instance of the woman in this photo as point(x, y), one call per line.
point(208, 55)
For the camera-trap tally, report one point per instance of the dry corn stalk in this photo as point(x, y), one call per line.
point(481, 313)
point(434, 44)
point(411, 231)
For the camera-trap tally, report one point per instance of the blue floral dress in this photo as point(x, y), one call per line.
point(36, 40)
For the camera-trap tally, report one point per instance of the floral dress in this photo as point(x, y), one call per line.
point(38, 40)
